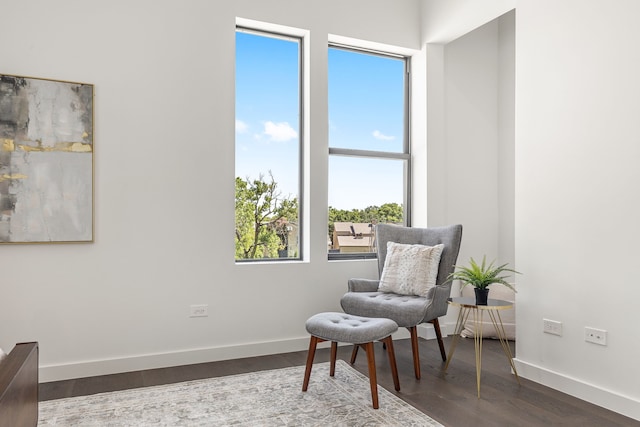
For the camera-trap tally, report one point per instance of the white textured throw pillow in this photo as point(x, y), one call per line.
point(410, 269)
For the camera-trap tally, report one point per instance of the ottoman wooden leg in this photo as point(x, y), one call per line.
point(312, 352)
point(373, 380)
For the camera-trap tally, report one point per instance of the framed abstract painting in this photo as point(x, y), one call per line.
point(46, 161)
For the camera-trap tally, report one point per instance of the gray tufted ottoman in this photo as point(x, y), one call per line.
point(361, 331)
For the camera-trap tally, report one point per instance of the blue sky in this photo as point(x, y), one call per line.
point(365, 112)
point(366, 101)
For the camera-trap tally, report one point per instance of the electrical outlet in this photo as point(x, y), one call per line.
point(552, 327)
point(199, 310)
point(596, 336)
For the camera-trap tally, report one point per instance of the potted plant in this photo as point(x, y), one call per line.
point(481, 276)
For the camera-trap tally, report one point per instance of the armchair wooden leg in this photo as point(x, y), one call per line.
point(436, 327)
point(414, 347)
point(334, 353)
point(312, 352)
point(354, 353)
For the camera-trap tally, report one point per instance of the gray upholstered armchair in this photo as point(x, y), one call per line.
point(408, 311)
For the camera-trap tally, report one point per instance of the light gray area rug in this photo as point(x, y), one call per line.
point(267, 398)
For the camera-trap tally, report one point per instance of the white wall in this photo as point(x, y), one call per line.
point(446, 20)
point(471, 95)
point(577, 208)
point(164, 146)
point(506, 76)
point(576, 149)
point(471, 119)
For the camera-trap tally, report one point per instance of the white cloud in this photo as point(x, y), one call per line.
point(241, 127)
point(382, 137)
point(279, 132)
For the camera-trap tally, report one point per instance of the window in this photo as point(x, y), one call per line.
point(369, 156)
point(268, 145)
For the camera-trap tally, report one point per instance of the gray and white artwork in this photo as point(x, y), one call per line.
point(46, 161)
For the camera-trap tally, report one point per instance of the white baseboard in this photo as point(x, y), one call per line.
point(92, 368)
point(426, 331)
point(608, 399)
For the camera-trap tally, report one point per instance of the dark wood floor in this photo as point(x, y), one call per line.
point(449, 398)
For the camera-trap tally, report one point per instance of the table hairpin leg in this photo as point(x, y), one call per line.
point(499, 327)
point(463, 315)
point(477, 339)
point(492, 307)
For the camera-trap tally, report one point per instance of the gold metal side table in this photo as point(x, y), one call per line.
point(493, 307)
